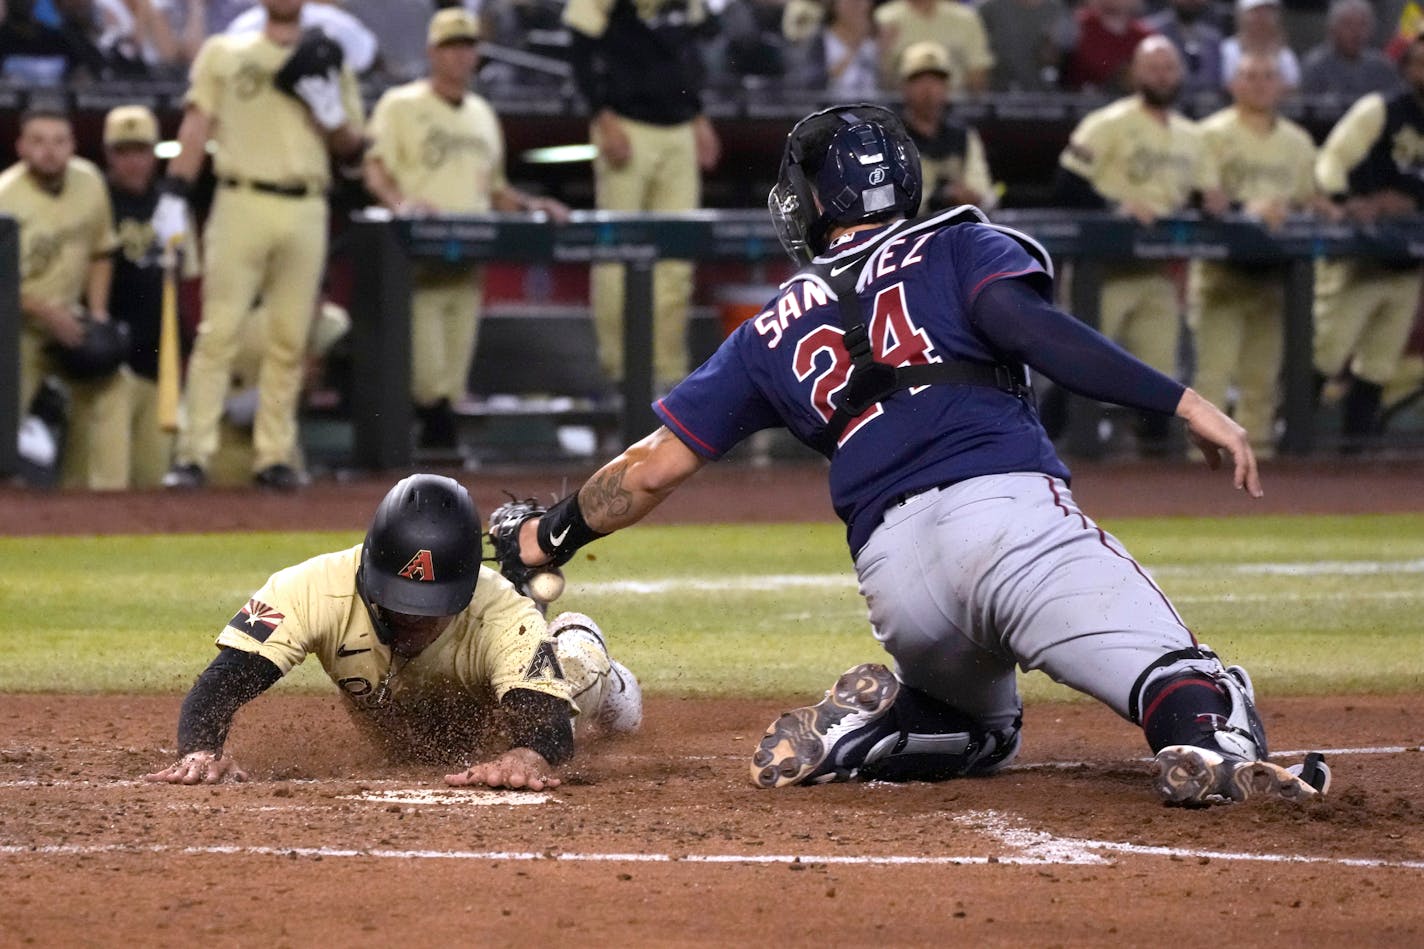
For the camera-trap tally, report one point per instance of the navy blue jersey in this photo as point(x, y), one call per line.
point(787, 367)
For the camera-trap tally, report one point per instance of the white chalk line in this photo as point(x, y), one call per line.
point(1030, 847)
point(399, 787)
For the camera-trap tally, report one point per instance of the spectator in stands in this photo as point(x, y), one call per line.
point(747, 49)
point(1143, 158)
point(102, 39)
point(130, 134)
point(1026, 37)
point(955, 26)
point(171, 31)
point(841, 57)
point(1266, 166)
point(1259, 30)
point(638, 67)
point(436, 147)
point(1346, 64)
point(30, 51)
point(1188, 24)
point(1372, 167)
point(951, 155)
point(1104, 35)
point(66, 235)
point(400, 26)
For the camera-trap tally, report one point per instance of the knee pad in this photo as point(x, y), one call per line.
point(1222, 716)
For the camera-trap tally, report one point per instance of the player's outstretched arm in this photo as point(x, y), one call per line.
point(619, 494)
point(517, 768)
point(230, 681)
point(199, 767)
point(1215, 432)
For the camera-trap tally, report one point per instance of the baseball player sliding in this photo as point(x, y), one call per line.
point(438, 657)
point(898, 352)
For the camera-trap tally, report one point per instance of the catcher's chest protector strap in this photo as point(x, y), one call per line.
point(871, 381)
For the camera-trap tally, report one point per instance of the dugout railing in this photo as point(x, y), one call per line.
point(383, 250)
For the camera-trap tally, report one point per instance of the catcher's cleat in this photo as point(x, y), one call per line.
point(1189, 776)
point(830, 740)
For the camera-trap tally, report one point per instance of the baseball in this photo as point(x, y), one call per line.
point(546, 586)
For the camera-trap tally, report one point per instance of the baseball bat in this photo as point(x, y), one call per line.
point(168, 352)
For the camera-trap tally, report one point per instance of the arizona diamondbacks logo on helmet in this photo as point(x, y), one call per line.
point(420, 567)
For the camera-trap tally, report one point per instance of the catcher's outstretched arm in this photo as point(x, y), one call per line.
point(619, 494)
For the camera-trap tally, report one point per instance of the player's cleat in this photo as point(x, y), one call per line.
point(622, 710)
point(830, 740)
point(279, 478)
point(188, 477)
point(1187, 775)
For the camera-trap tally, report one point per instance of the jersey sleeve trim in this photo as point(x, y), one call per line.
point(1001, 275)
point(685, 434)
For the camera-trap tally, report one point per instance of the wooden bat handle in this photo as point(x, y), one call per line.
point(168, 350)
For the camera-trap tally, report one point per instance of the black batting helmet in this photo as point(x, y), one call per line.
point(864, 167)
point(422, 553)
point(104, 348)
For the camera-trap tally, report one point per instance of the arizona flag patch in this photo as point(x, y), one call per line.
point(257, 620)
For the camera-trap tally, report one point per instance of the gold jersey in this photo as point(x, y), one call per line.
point(500, 642)
point(446, 155)
point(1252, 166)
point(61, 232)
point(260, 132)
point(1128, 154)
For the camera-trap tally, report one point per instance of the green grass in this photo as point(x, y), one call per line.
point(139, 614)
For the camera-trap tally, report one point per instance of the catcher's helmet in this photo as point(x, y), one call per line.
point(422, 553)
point(864, 165)
point(104, 348)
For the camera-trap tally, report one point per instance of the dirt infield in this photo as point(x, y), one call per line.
point(659, 839)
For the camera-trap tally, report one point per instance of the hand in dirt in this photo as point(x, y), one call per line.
point(199, 767)
point(517, 768)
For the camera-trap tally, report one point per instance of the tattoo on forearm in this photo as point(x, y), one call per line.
point(604, 499)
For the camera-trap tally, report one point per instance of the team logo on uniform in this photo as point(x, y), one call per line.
point(420, 567)
point(545, 664)
point(257, 620)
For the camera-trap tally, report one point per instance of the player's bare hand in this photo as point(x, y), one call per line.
point(1271, 212)
point(709, 146)
point(1139, 212)
point(199, 767)
point(1215, 432)
point(612, 139)
point(518, 768)
point(63, 325)
point(556, 211)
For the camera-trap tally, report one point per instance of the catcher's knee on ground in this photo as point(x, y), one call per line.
point(607, 695)
point(872, 726)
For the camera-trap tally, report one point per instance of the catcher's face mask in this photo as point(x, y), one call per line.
point(858, 155)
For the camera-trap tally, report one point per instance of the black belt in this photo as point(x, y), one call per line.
point(269, 187)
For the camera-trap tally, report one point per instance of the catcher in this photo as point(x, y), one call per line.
point(437, 656)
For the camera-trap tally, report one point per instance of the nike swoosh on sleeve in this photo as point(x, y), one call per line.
point(557, 539)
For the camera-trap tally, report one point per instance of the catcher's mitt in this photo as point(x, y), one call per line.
point(315, 54)
point(504, 524)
